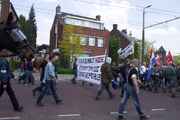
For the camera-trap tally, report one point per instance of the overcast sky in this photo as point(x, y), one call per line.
point(128, 14)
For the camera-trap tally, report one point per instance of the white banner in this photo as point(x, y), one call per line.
point(127, 51)
point(89, 68)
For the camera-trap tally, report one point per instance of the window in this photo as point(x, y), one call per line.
point(100, 42)
point(83, 41)
point(0, 8)
point(56, 27)
point(91, 41)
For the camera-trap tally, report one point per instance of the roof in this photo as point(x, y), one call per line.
point(162, 49)
point(63, 14)
point(124, 35)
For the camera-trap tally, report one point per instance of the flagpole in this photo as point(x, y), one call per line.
point(133, 48)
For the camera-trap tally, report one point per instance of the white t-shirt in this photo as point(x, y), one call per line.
point(142, 70)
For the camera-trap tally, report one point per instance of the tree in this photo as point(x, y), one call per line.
point(63, 59)
point(147, 50)
point(114, 46)
point(73, 41)
point(136, 51)
point(22, 22)
point(31, 28)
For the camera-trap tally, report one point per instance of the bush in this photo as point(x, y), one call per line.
point(65, 71)
point(14, 64)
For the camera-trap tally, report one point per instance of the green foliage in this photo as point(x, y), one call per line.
point(30, 28)
point(176, 59)
point(63, 59)
point(65, 71)
point(22, 22)
point(114, 46)
point(147, 49)
point(14, 64)
point(71, 45)
point(136, 51)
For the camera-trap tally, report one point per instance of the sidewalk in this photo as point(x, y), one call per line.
point(61, 77)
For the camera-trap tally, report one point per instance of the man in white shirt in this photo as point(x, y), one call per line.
point(143, 74)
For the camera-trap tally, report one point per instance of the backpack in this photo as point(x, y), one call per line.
point(155, 72)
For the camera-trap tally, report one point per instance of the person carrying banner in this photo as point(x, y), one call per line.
point(168, 74)
point(131, 89)
point(73, 80)
point(106, 77)
point(156, 72)
point(123, 73)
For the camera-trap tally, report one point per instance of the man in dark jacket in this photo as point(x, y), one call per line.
point(177, 82)
point(123, 73)
point(5, 76)
point(73, 80)
point(106, 77)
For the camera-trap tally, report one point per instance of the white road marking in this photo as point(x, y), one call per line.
point(69, 115)
point(6, 118)
point(112, 113)
point(158, 109)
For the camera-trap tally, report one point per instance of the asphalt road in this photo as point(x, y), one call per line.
point(79, 104)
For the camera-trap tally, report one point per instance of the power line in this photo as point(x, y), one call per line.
point(130, 8)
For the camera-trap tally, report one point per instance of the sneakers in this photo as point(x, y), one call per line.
point(173, 96)
point(144, 117)
point(112, 96)
point(59, 101)
point(120, 117)
point(33, 91)
point(83, 83)
point(19, 108)
point(91, 84)
point(39, 104)
point(97, 98)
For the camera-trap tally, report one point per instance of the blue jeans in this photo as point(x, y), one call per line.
point(75, 76)
point(56, 75)
point(21, 70)
point(120, 77)
point(49, 84)
point(130, 91)
point(169, 80)
point(40, 87)
point(30, 76)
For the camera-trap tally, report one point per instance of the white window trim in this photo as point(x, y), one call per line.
point(94, 42)
point(102, 41)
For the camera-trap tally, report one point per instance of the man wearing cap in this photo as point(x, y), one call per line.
point(106, 77)
point(123, 73)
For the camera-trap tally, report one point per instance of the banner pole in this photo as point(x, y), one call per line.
point(133, 49)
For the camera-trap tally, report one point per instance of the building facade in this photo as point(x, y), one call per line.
point(95, 35)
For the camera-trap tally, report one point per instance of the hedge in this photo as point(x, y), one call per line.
point(14, 64)
point(65, 71)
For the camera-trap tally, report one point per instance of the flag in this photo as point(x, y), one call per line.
point(152, 61)
point(169, 59)
point(159, 62)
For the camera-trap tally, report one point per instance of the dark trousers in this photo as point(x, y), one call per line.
point(114, 75)
point(156, 82)
point(10, 92)
point(101, 89)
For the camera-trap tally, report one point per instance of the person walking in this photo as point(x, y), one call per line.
point(177, 81)
point(29, 75)
point(168, 74)
point(73, 80)
point(143, 75)
point(123, 73)
point(39, 88)
point(50, 79)
point(156, 72)
point(114, 71)
point(56, 67)
point(24, 65)
point(22, 69)
point(106, 77)
point(119, 74)
point(131, 89)
point(5, 76)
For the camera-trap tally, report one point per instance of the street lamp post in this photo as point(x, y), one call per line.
point(142, 58)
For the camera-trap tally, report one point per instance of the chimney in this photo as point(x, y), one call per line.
point(58, 9)
point(124, 31)
point(114, 26)
point(98, 17)
point(130, 34)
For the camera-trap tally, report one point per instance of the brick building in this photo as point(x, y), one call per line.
point(125, 39)
point(6, 7)
point(95, 35)
point(162, 54)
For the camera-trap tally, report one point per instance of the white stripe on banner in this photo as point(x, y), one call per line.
point(7, 118)
point(158, 109)
point(69, 115)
